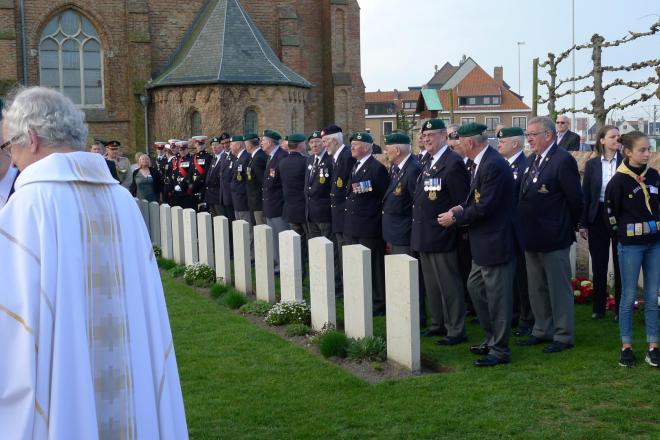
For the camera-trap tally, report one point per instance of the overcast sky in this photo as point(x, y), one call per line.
point(402, 40)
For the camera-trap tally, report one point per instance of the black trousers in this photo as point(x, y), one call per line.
point(377, 247)
point(465, 264)
point(338, 242)
point(599, 249)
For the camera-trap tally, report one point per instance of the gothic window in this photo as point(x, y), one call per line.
point(294, 117)
point(195, 124)
point(70, 58)
point(250, 124)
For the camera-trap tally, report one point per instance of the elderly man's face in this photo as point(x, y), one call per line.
point(267, 144)
point(507, 146)
point(112, 152)
point(458, 146)
point(20, 154)
point(236, 148)
point(217, 149)
point(359, 149)
point(200, 146)
point(393, 153)
point(330, 144)
point(316, 146)
point(434, 140)
point(562, 124)
point(539, 137)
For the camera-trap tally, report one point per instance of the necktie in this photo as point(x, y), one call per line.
point(472, 168)
point(533, 171)
point(314, 167)
point(394, 172)
point(355, 167)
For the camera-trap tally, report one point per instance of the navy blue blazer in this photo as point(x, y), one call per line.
point(225, 178)
point(273, 198)
point(212, 193)
point(518, 168)
point(364, 206)
point(341, 173)
point(591, 183)
point(427, 234)
point(293, 170)
point(239, 181)
point(255, 179)
point(397, 204)
point(317, 189)
point(490, 212)
point(550, 208)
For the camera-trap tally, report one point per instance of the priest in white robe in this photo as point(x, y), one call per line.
point(87, 350)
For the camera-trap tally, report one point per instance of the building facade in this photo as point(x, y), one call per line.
point(108, 55)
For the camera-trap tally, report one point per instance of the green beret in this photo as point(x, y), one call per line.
point(251, 137)
point(272, 134)
point(471, 129)
point(315, 135)
point(237, 138)
point(433, 124)
point(362, 136)
point(397, 138)
point(296, 137)
point(510, 132)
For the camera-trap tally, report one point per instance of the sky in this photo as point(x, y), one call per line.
point(402, 40)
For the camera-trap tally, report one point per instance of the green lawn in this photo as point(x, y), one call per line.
point(240, 381)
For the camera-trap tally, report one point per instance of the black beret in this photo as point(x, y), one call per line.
point(331, 129)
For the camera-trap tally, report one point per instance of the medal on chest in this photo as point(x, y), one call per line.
point(477, 196)
point(398, 189)
point(339, 183)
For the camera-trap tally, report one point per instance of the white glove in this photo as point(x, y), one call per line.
point(177, 188)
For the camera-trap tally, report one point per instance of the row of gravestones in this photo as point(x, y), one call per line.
point(188, 237)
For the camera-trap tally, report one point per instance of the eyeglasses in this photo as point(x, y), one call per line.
point(453, 135)
point(9, 142)
point(561, 122)
point(532, 134)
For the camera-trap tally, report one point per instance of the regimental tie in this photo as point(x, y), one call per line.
point(472, 168)
point(313, 169)
point(394, 172)
point(533, 172)
point(355, 168)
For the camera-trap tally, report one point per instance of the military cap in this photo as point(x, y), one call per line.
point(172, 141)
point(296, 137)
point(397, 138)
point(113, 144)
point(315, 135)
point(215, 140)
point(433, 124)
point(362, 136)
point(471, 129)
point(508, 132)
point(224, 136)
point(182, 144)
point(100, 141)
point(272, 134)
point(160, 145)
point(330, 129)
point(199, 139)
point(237, 138)
point(251, 137)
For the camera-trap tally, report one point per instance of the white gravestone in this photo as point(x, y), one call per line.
point(290, 266)
point(166, 231)
point(402, 299)
point(144, 210)
point(264, 263)
point(358, 320)
point(154, 223)
point(222, 249)
point(190, 236)
point(322, 283)
point(205, 238)
point(178, 252)
point(242, 266)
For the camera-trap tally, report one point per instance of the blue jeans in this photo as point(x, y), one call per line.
point(631, 259)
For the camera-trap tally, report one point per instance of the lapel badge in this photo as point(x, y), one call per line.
point(543, 189)
point(432, 195)
point(397, 190)
point(477, 196)
point(339, 183)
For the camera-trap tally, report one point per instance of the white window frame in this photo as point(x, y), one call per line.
point(492, 117)
point(521, 116)
point(81, 61)
point(468, 120)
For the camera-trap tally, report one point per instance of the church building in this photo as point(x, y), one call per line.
point(197, 67)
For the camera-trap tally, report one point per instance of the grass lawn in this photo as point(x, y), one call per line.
point(240, 381)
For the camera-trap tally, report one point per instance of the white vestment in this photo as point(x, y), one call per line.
point(86, 344)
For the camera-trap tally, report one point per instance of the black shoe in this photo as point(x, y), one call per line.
point(434, 332)
point(653, 357)
point(556, 347)
point(490, 361)
point(451, 340)
point(532, 340)
point(627, 358)
point(481, 349)
point(597, 315)
point(523, 331)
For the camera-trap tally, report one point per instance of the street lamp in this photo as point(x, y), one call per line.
point(144, 99)
point(520, 43)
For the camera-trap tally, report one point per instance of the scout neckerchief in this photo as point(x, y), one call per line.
point(639, 178)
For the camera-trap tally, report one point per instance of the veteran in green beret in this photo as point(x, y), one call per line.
point(256, 168)
point(489, 212)
point(511, 141)
point(273, 196)
point(443, 184)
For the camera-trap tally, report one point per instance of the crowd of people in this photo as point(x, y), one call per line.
point(491, 228)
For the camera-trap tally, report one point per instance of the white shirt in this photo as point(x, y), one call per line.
point(477, 159)
point(272, 153)
point(240, 153)
point(438, 155)
point(560, 136)
point(337, 153)
point(513, 158)
point(403, 162)
point(6, 183)
point(361, 162)
point(609, 169)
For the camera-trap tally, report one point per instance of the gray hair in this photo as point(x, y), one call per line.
point(453, 127)
point(405, 148)
point(521, 141)
point(339, 137)
point(53, 117)
point(479, 139)
point(547, 123)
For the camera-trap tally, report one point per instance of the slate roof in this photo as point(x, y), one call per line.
point(224, 46)
point(390, 96)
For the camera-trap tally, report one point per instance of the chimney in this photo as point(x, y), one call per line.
point(498, 75)
point(436, 68)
